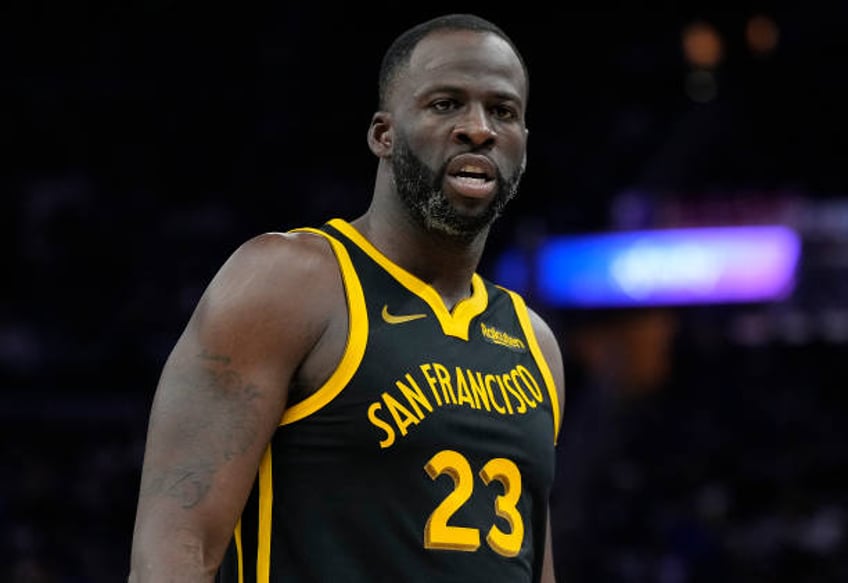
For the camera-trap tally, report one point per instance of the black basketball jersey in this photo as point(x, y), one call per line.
point(428, 455)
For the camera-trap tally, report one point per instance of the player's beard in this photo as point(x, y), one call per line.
point(421, 191)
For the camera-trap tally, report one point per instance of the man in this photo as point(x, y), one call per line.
point(354, 403)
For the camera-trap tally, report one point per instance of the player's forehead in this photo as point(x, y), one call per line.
point(464, 56)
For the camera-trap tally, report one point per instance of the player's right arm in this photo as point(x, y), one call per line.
point(220, 398)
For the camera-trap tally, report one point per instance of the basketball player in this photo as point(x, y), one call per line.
point(354, 403)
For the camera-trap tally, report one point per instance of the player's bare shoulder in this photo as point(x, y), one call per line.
point(277, 281)
point(286, 256)
point(300, 264)
point(305, 291)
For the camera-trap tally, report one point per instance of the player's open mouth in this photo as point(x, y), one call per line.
point(472, 175)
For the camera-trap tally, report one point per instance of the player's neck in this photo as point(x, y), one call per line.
point(444, 263)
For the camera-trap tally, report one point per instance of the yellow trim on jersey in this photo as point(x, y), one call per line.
point(357, 338)
point(527, 326)
point(453, 324)
point(266, 501)
point(239, 551)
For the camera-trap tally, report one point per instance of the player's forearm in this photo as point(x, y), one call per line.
point(169, 574)
point(175, 557)
point(173, 545)
point(165, 574)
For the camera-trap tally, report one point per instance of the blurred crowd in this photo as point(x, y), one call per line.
point(725, 466)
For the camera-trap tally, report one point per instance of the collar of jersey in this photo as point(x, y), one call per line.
point(454, 323)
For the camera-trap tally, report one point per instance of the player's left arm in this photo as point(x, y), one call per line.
point(548, 574)
point(550, 348)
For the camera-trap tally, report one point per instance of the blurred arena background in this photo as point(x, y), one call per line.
point(702, 440)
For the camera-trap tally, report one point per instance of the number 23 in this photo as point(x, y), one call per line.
point(437, 533)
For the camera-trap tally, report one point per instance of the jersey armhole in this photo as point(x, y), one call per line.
point(357, 337)
point(527, 326)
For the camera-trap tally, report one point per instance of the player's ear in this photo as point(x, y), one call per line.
point(524, 158)
point(380, 134)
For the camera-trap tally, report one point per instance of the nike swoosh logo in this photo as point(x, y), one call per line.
point(392, 319)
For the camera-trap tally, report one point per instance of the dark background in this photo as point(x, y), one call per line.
point(145, 141)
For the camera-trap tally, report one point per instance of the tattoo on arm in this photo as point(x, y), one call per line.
point(187, 485)
point(206, 355)
point(222, 426)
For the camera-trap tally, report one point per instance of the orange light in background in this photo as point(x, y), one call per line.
point(762, 34)
point(632, 353)
point(702, 45)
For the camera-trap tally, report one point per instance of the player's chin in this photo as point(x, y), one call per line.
point(472, 206)
point(472, 221)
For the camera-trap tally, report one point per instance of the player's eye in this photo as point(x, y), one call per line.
point(504, 113)
point(443, 105)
